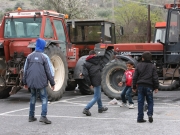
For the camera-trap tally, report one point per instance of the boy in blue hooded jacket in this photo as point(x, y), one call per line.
point(37, 72)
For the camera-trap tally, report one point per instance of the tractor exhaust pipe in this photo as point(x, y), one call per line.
point(149, 26)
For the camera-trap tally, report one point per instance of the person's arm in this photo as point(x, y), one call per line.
point(122, 81)
point(155, 79)
point(85, 73)
point(49, 70)
point(25, 71)
point(135, 77)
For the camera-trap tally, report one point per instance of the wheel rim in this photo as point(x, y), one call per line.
point(113, 77)
point(166, 82)
point(59, 72)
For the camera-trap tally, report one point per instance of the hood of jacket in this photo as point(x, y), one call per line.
point(40, 45)
point(93, 59)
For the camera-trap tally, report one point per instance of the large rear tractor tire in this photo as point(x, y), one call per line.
point(59, 63)
point(168, 85)
point(112, 74)
point(4, 90)
point(83, 86)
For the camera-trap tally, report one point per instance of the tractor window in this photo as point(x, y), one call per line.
point(107, 33)
point(59, 30)
point(22, 28)
point(85, 32)
point(48, 33)
point(174, 31)
point(160, 34)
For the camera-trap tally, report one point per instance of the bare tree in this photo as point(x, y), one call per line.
point(74, 8)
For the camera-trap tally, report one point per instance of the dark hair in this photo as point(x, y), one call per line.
point(147, 56)
point(92, 52)
point(130, 62)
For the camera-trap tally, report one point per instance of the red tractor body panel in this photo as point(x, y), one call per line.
point(136, 47)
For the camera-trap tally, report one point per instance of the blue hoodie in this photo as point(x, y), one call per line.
point(40, 45)
point(38, 69)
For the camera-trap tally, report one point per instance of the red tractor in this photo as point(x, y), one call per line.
point(165, 52)
point(67, 45)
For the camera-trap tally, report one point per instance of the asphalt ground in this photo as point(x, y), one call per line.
point(67, 118)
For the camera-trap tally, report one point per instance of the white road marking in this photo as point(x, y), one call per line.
point(40, 105)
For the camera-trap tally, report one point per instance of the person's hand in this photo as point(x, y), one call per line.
point(156, 91)
point(134, 90)
point(52, 87)
point(91, 87)
point(25, 87)
point(120, 84)
point(80, 75)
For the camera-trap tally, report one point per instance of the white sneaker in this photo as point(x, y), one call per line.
point(131, 106)
point(122, 104)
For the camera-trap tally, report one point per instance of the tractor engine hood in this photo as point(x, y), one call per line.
point(138, 47)
point(19, 47)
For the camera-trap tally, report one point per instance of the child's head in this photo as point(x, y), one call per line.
point(129, 65)
point(92, 52)
point(146, 56)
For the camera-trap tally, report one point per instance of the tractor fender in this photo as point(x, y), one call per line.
point(98, 50)
point(48, 42)
point(79, 67)
point(127, 58)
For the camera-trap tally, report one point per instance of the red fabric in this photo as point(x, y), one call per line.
point(89, 57)
point(129, 77)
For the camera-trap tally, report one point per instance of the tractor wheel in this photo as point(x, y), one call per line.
point(107, 57)
point(4, 90)
point(59, 63)
point(71, 86)
point(83, 86)
point(112, 74)
point(168, 85)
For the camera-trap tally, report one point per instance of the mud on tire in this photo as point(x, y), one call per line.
point(59, 63)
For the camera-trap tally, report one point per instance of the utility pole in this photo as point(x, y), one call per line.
point(113, 10)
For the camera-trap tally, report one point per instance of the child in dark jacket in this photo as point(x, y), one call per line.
point(92, 75)
point(127, 80)
point(146, 79)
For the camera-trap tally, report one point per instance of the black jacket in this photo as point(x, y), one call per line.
point(92, 71)
point(146, 75)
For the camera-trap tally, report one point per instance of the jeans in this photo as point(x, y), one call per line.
point(145, 92)
point(126, 93)
point(44, 100)
point(96, 98)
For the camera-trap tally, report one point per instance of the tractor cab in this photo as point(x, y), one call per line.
point(84, 34)
point(160, 32)
point(172, 42)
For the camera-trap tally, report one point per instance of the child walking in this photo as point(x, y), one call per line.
point(92, 75)
point(146, 79)
point(127, 80)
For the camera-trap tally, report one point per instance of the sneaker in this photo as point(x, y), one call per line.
point(44, 120)
point(87, 112)
point(32, 118)
point(131, 106)
point(123, 104)
point(150, 119)
point(103, 109)
point(141, 121)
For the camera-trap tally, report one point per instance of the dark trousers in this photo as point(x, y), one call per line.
point(126, 93)
point(145, 92)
